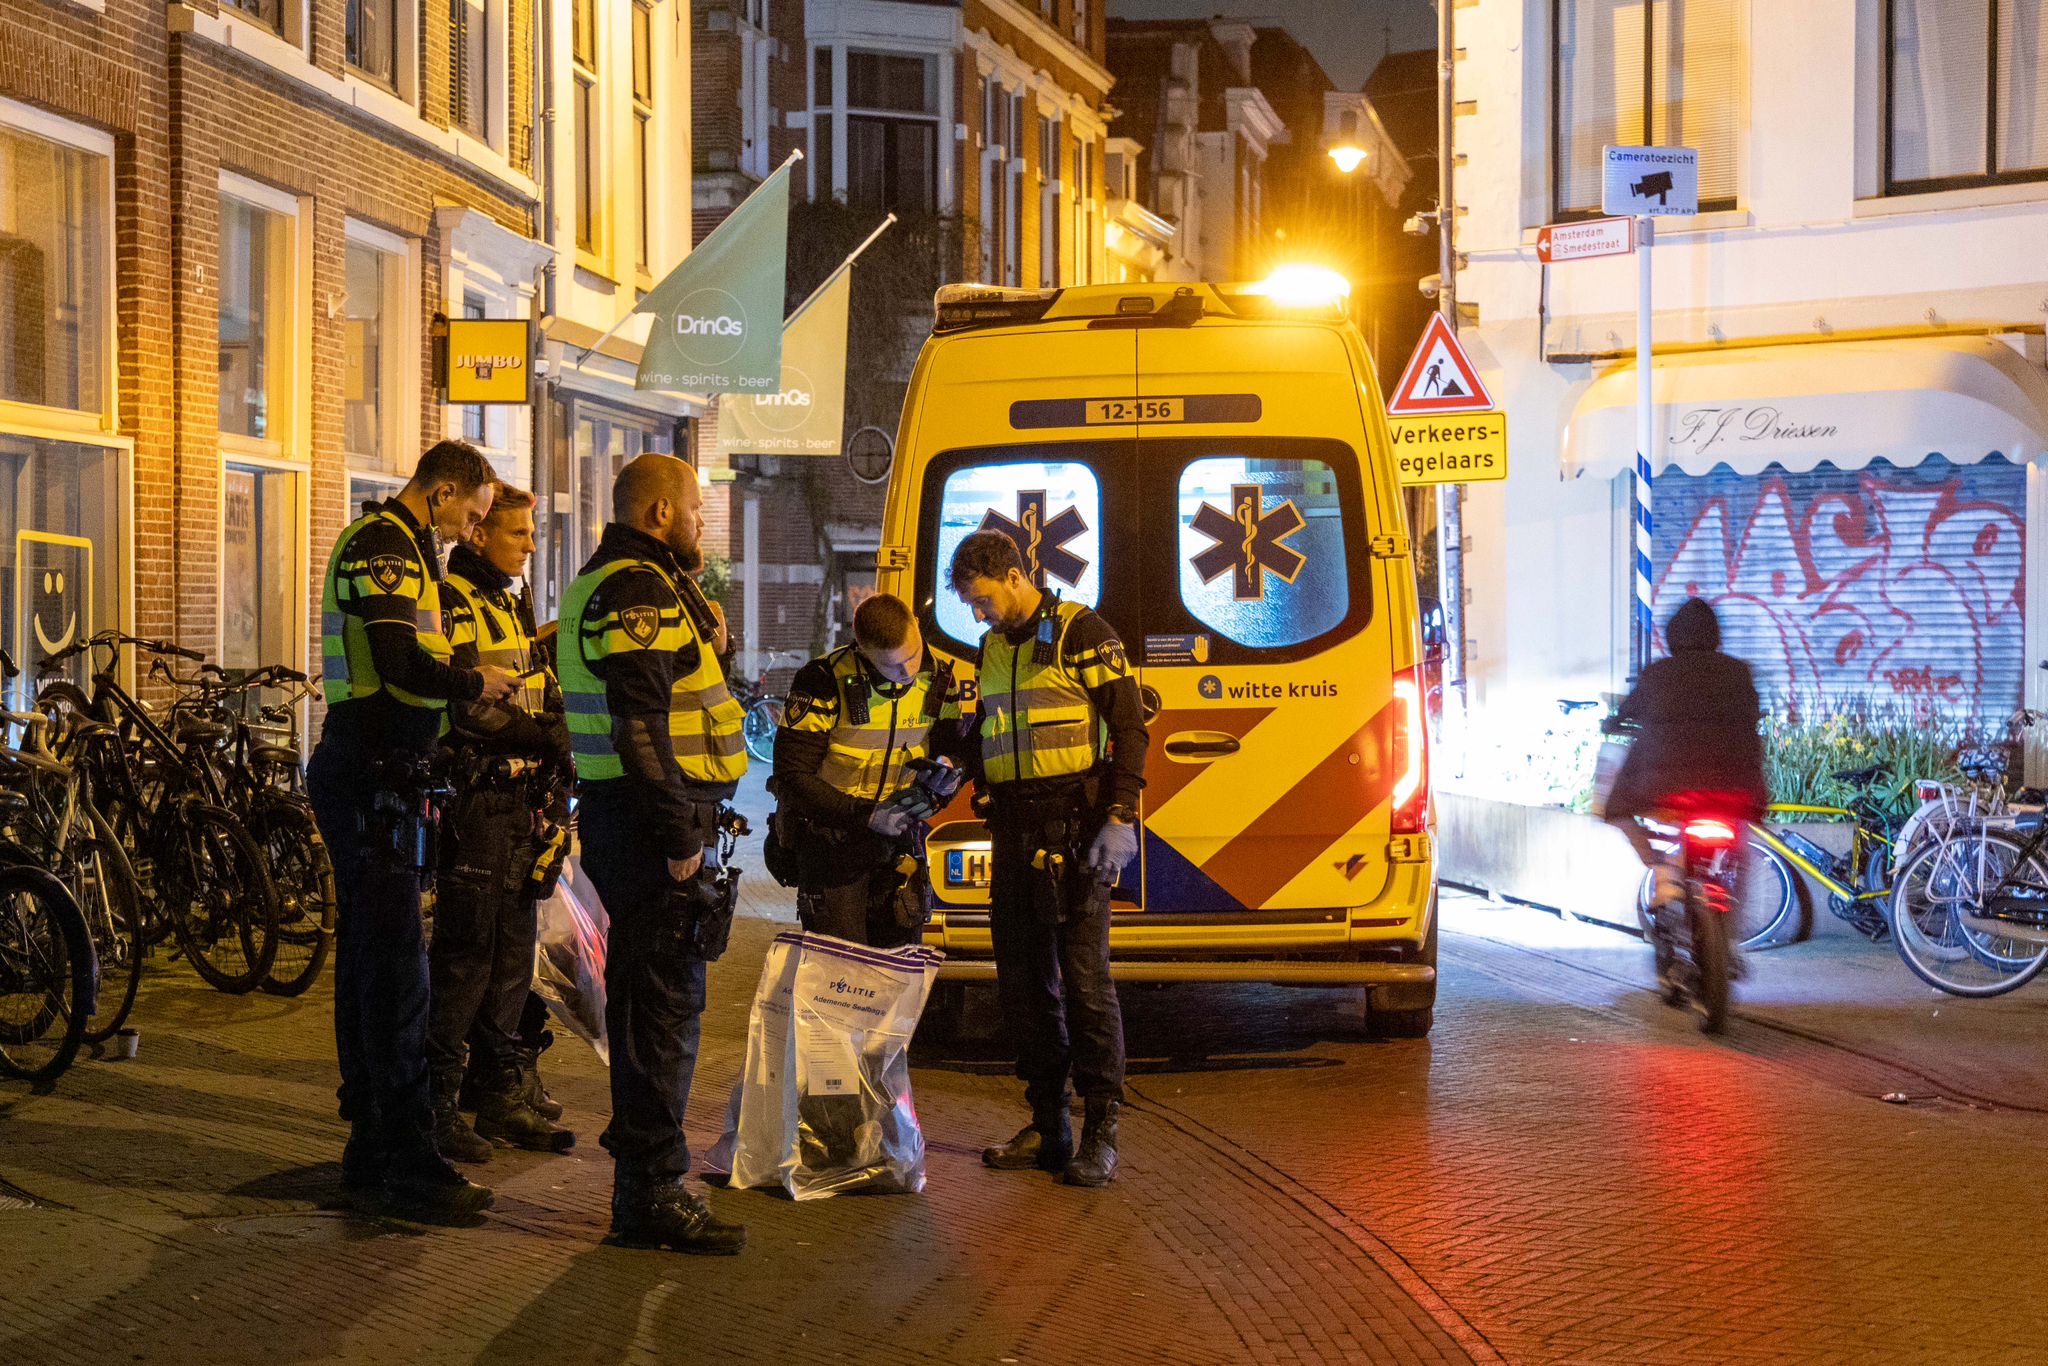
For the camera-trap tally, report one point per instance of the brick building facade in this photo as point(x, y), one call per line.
point(228, 230)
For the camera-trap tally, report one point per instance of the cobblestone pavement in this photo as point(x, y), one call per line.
point(1565, 1171)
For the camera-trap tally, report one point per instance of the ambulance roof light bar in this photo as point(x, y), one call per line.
point(958, 307)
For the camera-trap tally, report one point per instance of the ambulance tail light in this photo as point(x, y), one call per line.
point(1410, 755)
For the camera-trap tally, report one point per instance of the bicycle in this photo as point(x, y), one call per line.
point(197, 866)
point(1690, 934)
point(763, 708)
point(1970, 911)
point(49, 975)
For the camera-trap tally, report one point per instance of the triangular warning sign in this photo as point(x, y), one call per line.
point(1439, 377)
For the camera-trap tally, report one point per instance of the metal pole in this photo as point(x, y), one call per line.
point(1646, 438)
point(1450, 499)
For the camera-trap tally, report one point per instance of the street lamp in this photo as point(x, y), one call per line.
point(1347, 156)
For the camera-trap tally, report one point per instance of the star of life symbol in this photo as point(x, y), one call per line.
point(1250, 543)
point(1042, 540)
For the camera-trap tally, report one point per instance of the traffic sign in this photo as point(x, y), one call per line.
point(1440, 377)
point(1470, 448)
point(1650, 182)
point(1583, 241)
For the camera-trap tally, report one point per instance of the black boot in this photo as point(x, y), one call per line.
point(362, 1160)
point(423, 1185)
point(1094, 1163)
point(1044, 1144)
point(666, 1215)
point(530, 1087)
point(452, 1134)
point(503, 1116)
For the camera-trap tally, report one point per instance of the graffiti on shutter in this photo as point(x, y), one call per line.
point(1888, 590)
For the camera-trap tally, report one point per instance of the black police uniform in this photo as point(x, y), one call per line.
point(658, 749)
point(850, 740)
point(386, 681)
point(1061, 745)
point(512, 774)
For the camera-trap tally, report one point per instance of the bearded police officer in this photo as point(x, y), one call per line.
point(502, 843)
point(1058, 766)
point(387, 679)
point(658, 747)
point(858, 770)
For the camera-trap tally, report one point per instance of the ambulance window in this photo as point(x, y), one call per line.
point(1051, 508)
point(1262, 558)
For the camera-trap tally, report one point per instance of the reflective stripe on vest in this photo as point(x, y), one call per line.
point(871, 761)
point(1036, 719)
point(706, 723)
point(347, 671)
point(499, 636)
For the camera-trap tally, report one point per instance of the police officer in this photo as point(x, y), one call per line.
point(856, 776)
point(502, 841)
point(1059, 764)
point(387, 679)
point(658, 747)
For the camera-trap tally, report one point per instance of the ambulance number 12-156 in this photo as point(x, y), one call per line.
point(1101, 410)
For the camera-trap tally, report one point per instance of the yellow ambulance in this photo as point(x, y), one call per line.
point(1208, 467)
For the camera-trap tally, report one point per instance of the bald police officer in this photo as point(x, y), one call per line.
point(387, 681)
point(657, 742)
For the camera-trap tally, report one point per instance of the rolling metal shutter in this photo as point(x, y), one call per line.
point(1893, 591)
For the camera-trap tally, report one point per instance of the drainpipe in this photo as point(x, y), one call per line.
point(1450, 497)
point(554, 564)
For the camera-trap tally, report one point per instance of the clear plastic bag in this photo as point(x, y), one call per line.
point(569, 957)
point(823, 1106)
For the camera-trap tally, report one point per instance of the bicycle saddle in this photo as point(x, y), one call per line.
point(1859, 777)
point(192, 728)
point(274, 754)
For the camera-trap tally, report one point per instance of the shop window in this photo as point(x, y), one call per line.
point(1262, 556)
point(1051, 508)
point(366, 491)
point(255, 319)
point(375, 352)
point(62, 557)
point(475, 427)
point(53, 274)
point(260, 579)
point(370, 39)
point(1968, 93)
point(1648, 72)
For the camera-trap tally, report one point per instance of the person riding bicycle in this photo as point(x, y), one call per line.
point(1695, 715)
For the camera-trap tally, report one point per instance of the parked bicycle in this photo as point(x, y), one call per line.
point(1970, 911)
point(764, 708)
point(199, 871)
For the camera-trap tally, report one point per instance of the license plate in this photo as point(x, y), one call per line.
point(1107, 410)
point(967, 867)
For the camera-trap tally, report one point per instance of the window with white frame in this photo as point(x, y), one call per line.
point(890, 109)
point(269, 13)
point(1646, 72)
point(378, 350)
point(262, 546)
point(469, 67)
point(475, 428)
point(1967, 93)
point(63, 477)
point(589, 144)
point(757, 51)
point(1048, 201)
point(370, 39)
point(1084, 211)
point(991, 179)
point(1013, 193)
point(257, 270)
point(1081, 23)
point(643, 135)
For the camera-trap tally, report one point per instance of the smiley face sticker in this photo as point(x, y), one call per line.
point(53, 592)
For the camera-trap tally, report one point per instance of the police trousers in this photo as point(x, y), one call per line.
point(480, 961)
point(848, 886)
point(1051, 932)
point(654, 988)
point(380, 961)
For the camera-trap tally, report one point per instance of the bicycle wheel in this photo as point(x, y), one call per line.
point(303, 875)
point(1772, 907)
point(1712, 961)
point(220, 900)
point(47, 975)
point(130, 829)
point(64, 701)
point(1938, 886)
point(763, 719)
point(104, 888)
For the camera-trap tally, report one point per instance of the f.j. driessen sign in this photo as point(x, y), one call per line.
point(1731, 426)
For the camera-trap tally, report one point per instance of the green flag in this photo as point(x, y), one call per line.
point(806, 415)
point(717, 317)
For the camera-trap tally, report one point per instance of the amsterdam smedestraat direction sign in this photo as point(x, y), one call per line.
point(1650, 182)
point(1583, 241)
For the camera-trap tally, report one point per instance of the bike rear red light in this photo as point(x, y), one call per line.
point(1710, 832)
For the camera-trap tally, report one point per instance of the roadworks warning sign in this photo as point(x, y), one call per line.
point(1467, 448)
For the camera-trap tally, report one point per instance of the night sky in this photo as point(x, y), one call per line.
point(1347, 36)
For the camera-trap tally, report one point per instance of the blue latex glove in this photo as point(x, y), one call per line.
point(1114, 848)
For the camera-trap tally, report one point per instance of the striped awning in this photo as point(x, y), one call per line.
point(1797, 406)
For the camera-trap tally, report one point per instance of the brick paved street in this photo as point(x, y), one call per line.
point(1566, 1171)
